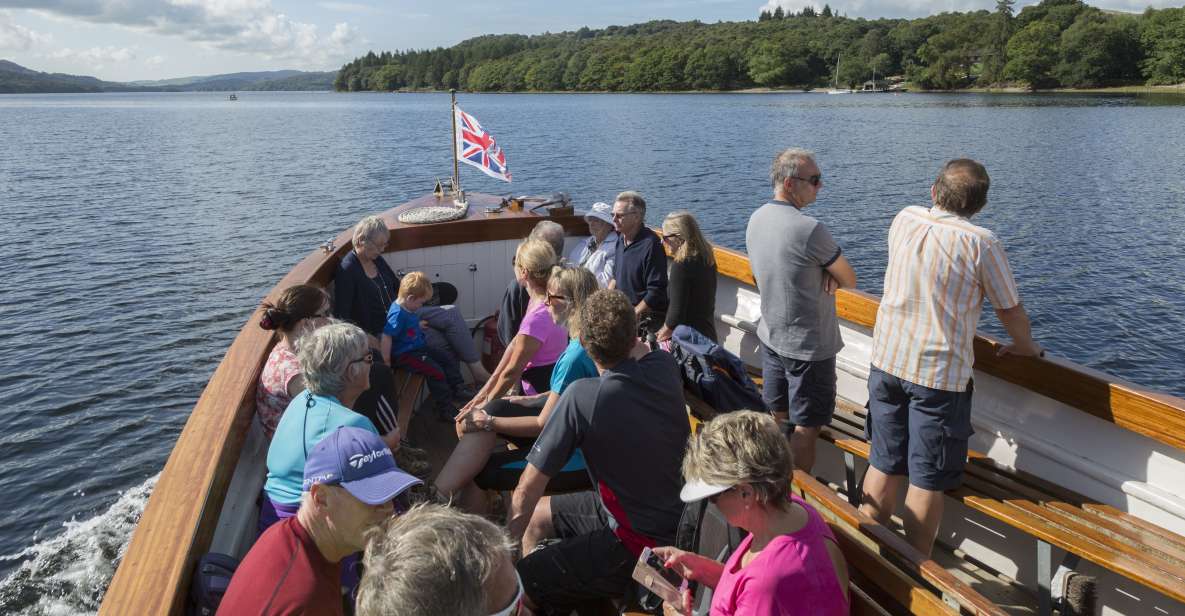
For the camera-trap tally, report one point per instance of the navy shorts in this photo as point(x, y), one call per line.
point(918, 431)
point(804, 389)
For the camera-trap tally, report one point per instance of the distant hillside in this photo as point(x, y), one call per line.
point(304, 81)
point(218, 83)
point(16, 79)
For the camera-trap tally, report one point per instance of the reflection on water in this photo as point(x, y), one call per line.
point(139, 230)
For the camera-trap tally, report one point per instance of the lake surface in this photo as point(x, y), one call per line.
point(138, 231)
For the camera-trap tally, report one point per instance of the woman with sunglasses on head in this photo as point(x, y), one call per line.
point(789, 563)
point(335, 360)
point(691, 285)
point(519, 419)
point(299, 310)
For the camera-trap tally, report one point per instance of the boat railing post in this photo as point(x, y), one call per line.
point(1044, 578)
point(453, 123)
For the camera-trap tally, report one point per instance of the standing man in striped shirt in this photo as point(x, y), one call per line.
point(797, 266)
point(919, 409)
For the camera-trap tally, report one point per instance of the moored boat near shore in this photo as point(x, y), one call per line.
point(1072, 461)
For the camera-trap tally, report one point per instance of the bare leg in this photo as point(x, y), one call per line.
point(466, 461)
point(479, 372)
point(540, 527)
point(802, 445)
point(922, 515)
point(880, 494)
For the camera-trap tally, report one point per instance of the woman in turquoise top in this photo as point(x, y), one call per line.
point(519, 419)
point(335, 360)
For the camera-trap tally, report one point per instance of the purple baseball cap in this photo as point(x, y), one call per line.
point(359, 461)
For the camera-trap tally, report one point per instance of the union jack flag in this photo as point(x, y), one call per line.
point(477, 147)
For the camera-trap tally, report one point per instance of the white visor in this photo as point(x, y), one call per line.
point(697, 490)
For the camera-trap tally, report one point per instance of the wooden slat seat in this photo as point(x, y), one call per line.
point(1115, 540)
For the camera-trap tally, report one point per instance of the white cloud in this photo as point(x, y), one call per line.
point(155, 60)
point(16, 37)
point(96, 57)
point(247, 26)
point(348, 7)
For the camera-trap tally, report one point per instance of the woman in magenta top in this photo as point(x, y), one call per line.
point(533, 351)
point(789, 563)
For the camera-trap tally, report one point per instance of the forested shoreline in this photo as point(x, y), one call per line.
point(1056, 43)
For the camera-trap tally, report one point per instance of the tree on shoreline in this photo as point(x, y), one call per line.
point(1052, 43)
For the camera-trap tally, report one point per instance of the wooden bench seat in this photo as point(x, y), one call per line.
point(411, 389)
point(1055, 516)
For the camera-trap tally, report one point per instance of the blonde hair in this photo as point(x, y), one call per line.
point(431, 560)
point(577, 284)
point(414, 283)
point(367, 229)
point(742, 447)
point(694, 245)
point(536, 257)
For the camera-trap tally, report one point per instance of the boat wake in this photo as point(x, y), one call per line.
point(69, 573)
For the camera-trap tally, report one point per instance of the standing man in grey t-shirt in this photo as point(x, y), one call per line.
point(797, 266)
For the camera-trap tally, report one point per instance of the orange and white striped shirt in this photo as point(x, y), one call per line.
point(940, 268)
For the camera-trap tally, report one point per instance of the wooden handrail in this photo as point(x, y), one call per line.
point(1157, 415)
point(179, 520)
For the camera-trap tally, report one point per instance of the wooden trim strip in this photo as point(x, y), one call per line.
point(179, 520)
point(1157, 415)
point(888, 541)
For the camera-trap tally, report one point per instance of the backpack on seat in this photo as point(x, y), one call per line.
point(211, 578)
point(703, 530)
point(713, 374)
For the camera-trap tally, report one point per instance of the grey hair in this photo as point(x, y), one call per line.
point(551, 232)
point(634, 200)
point(367, 229)
point(326, 354)
point(786, 165)
point(742, 447)
point(431, 560)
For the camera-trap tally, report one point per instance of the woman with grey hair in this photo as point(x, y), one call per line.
point(335, 361)
point(436, 560)
point(789, 563)
point(365, 286)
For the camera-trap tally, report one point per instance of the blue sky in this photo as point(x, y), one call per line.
point(124, 40)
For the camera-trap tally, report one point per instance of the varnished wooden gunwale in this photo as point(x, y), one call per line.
point(1156, 415)
point(179, 520)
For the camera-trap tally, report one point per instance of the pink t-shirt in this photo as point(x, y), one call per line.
point(271, 395)
point(537, 323)
point(792, 575)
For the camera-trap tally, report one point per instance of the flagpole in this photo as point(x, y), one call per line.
point(456, 167)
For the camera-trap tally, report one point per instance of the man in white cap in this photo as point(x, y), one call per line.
point(350, 483)
point(598, 252)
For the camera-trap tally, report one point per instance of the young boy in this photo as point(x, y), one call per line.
point(404, 345)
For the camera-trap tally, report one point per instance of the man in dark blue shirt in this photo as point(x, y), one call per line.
point(640, 266)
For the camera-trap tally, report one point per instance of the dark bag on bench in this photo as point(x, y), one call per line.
point(713, 374)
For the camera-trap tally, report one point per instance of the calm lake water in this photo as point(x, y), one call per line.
point(137, 232)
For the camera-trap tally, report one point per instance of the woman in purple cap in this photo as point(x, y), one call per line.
point(789, 564)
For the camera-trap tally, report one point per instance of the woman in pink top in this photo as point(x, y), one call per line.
point(789, 563)
point(281, 379)
point(533, 351)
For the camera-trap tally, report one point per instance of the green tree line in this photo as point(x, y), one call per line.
point(1054, 43)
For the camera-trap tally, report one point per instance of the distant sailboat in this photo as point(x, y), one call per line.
point(835, 89)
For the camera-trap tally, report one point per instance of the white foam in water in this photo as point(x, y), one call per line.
point(68, 574)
